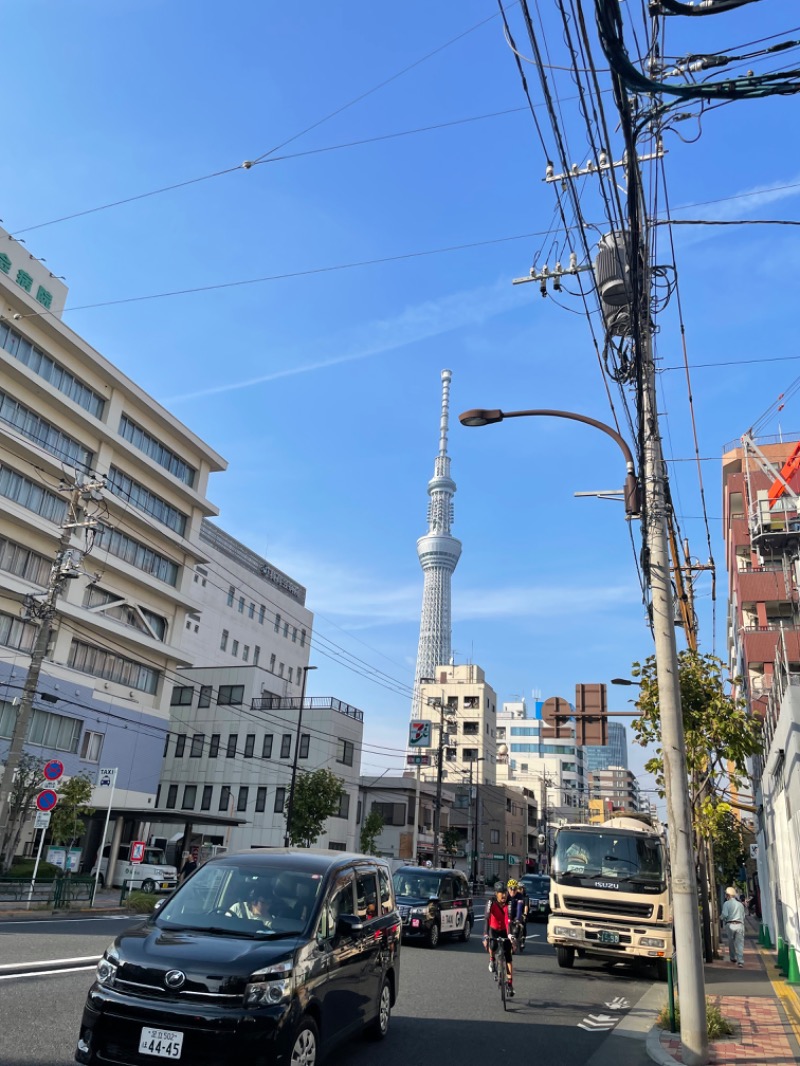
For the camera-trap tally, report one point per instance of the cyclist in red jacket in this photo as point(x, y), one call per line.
point(497, 926)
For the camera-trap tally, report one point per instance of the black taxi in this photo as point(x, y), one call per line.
point(433, 903)
point(261, 958)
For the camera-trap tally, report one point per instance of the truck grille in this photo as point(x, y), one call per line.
point(620, 908)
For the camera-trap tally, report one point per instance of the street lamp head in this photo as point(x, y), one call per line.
point(307, 668)
point(623, 681)
point(479, 417)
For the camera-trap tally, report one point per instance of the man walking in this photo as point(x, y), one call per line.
point(733, 920)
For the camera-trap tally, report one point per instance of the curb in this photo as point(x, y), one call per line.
point(654, 1049)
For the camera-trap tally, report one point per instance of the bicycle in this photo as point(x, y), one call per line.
point(499, 968)
point(519, 932)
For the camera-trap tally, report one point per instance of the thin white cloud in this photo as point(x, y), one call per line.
point(416, 323)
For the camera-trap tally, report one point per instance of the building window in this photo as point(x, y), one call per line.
point(231, 594)
point(22, 562)
point(280, 800)
point(286, 630)
point(277, 623)
point(305, 741)
point(246, 653)
point(344, 806)
point(241, 605)
point(230, 751)
point(266, 747)
point(241, 803)
point(261, 799)
point(182, 696)
point(256, 655)
point(180, 745)
point(204, 699)
point(286, 745)
point(153, 448)
point(294, 634)
point(132, 614)
point(224, 797)
point(198, 740)
point(91, 746)
point(251, 611)
point(45, 367)
point(290, 673)
point(14, 633)
point(205, 802)
point(235, 649)
point(230, 695)
point(223, 644)
point(172, 797)
point(272, 664)
point(213, 747)
point(189, 797)
point(494, 836)
point(138, 555)
point(344, 754)
point(280, 669)
point(144, 500)
point(261, 612)
point(90, 659)
point(29, 424)
point(249, 745)
point(166, 746)
point(31, 496)
point(302, 638)
point(470, 754)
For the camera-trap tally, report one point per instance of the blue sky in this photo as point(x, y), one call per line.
point(323, 390)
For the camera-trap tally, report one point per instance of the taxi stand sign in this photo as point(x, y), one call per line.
point(106, 778)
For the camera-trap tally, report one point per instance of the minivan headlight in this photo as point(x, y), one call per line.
point(271, 986)
point(107, 967)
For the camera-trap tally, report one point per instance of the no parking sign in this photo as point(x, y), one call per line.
point(47, 799)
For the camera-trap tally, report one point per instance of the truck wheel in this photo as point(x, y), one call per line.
point(566, 957)
point(433, 936)
point(149, 885)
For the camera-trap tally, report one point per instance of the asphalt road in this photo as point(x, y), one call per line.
point(449, 1008)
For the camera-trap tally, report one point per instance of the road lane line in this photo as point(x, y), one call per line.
point(69, 921)
point(43, 973)
point(18, 967)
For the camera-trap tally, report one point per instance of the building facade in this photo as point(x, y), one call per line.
point(402, 802)
point(68, 417)
point(460, 697)
point(615, 753)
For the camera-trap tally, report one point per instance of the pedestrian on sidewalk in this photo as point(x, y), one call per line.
point(733, 920)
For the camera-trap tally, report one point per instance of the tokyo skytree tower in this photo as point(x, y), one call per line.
point(438, 552)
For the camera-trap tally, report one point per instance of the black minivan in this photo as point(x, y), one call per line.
point(257, 959)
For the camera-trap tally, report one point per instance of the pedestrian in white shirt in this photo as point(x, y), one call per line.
point(733, 920)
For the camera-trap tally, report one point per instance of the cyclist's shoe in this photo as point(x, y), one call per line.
point(491, 967)
point(510, 990)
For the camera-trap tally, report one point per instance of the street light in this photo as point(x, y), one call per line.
point(290, 807)
point(482, 417)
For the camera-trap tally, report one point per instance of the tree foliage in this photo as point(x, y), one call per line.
point(27, 784)
point(370, 831)
point(730, 839)
point(720, 734)
point(317, 797)
point(451, 838)
point(66, 819)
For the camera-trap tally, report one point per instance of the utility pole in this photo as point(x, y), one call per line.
point(67, 565)
point(437, 809)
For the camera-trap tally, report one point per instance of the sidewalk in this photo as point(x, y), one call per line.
point(757, 1001)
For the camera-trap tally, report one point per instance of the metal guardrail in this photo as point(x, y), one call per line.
point(60, 893)
point(134, 884)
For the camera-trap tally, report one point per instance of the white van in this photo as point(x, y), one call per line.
point(152, 874)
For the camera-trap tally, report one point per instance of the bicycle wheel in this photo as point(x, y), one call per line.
point(502, 975)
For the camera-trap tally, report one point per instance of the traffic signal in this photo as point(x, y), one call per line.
point(591, 715)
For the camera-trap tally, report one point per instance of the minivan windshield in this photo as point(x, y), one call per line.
point(422, 885)
point(225, 898)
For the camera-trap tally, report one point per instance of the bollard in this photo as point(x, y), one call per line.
point(783, 956)
point(673, 1027)
point(792, 971)
point(767, 940)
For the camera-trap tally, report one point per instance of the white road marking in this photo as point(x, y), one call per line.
point(43, 973)
point(18, 966)
point(71, 921)
point(618, 1004)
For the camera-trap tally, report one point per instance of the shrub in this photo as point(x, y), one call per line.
point(24, 868)
point(141, 902)
point(717, 1024)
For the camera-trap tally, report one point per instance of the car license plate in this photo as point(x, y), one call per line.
point(163, 1043)
point(164, 886)
point(608, 938)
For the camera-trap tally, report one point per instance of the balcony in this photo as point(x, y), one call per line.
point(762, 585)
point(761, 643)
point(310, 703)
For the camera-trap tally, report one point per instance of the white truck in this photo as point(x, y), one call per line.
point(152, 874)
point(610, 894)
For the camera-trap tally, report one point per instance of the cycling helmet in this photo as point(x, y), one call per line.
point(499, 886)
point(512, 883)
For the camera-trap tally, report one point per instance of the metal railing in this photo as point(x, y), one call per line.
point(60, 893)
point(310, 703)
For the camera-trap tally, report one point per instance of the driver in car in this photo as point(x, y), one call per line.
point(258, 907)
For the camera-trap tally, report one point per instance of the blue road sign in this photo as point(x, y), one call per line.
point(47, 799)
point(53, 770)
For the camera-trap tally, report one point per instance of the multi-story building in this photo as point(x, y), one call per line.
point(401, 801)
point(231, 751)
point(461, 696)
point(67, 413)
point(615, 753)
point(504, 821)
point(616, 787)
point(761, 524)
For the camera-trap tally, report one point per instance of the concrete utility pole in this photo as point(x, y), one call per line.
point(437, 809)
point(65, 567)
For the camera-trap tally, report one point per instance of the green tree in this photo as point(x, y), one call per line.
point(730, 839)
point(317, 797)
point(27, 783)
point(720, 734)
point(451, 838)
point(66, 821)
point(370, 831)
